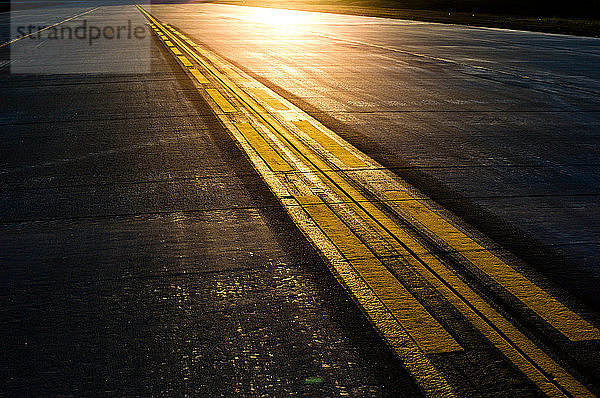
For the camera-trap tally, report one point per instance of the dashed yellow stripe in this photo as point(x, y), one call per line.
point(168, 43)
point(185, 61)
point(176, 51)
point(198, 76)
point(429, 335)
point(220, 100)
point(271, 101)
point(329, 144)
point(515, 349)
point(546, 306)
point(263, 148)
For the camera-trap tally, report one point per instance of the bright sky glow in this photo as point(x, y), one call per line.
point(278, 17)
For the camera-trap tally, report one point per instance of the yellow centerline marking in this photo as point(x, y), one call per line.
point(168, 43)
point(501, 333)
point(329, 144)
point(220, 100)
point(176, 51)
point(559, 316)
point(185, 61)
point(198, 76)
point(263, 148)
point(429, 335)
point(540, 301)
point(272, 101)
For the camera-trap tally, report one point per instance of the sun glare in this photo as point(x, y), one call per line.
point(278, 17)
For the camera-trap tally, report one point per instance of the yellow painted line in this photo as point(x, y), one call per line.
point(264, 149)
point(185, 61)
point(220, 100)
point(271, 101)
point(541, 302)
point(176, 51)
point(329, 144)
point(521, 351)
point(429, 335)
point(168, 43)
point(198, 76)
point(46, 27)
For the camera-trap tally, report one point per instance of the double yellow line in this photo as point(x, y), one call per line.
point(305, 146)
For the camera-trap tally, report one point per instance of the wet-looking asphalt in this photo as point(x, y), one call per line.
point(141, 253)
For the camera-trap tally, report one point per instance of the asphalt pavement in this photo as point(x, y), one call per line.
point(142, 254)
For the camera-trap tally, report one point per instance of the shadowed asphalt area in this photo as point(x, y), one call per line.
point(142, 255)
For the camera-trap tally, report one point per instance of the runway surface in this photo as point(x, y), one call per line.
point(143, 254)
